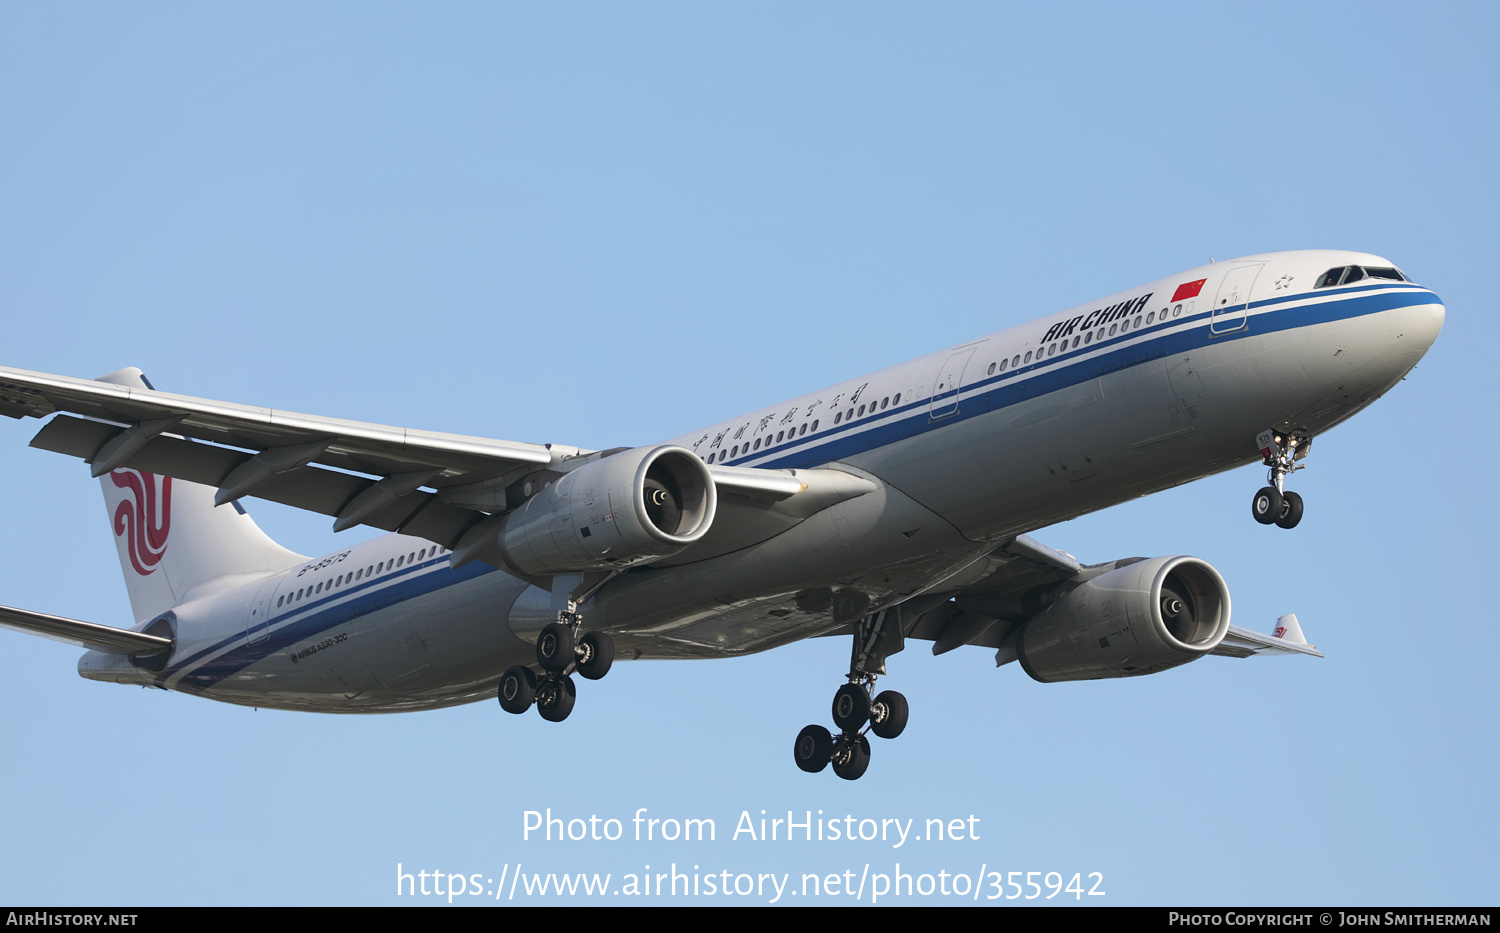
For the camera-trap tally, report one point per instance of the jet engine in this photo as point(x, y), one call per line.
point(628, 508)
point(1141, 618)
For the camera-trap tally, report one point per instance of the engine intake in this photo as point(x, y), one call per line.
point(1138, 619)
point(629, 508)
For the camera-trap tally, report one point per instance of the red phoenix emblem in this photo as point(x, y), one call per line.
point(144, 518)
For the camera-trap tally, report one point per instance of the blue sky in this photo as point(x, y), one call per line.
point(606, 225)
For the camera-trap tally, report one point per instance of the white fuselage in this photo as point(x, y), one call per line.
point(969, 446)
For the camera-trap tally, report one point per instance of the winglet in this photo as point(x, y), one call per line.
point(1288, 629)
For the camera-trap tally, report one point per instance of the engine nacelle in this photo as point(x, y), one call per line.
point(630, 508)
point(1139, 619)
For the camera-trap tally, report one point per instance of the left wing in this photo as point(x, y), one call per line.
point(1016, 582)
point(1288, 639)
point(84, 634)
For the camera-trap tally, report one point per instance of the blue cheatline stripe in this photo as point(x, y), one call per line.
point(1041, 378)
point(314, 618)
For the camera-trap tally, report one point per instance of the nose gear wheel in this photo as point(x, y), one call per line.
point(1280, 451)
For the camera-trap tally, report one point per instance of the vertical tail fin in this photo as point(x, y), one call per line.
point(171, 537)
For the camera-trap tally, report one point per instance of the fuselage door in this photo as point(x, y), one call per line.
point(258, 613)
point(949, 379)
point(1234, 298)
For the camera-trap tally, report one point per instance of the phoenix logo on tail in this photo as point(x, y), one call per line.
point(145, 518)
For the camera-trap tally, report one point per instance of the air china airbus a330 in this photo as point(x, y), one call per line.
point(887, 507)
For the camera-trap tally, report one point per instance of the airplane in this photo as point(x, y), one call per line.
point(889, 507)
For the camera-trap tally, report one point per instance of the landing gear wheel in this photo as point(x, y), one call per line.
point(598, 651)
point(554, 648)
point(517, 689)
point(888, 714)
point(851, 707)
point(1291, 510)
point(851, 757)
point(555, 698)
point(814, 749)
point(1266, 506)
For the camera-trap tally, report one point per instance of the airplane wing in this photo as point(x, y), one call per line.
point(1243, 643)
point(422, 483)
point(1008, 587)
point(992, 599)
point(83, 634)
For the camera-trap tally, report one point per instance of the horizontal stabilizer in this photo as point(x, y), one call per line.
point(84, 634)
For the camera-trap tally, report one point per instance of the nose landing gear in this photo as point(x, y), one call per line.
point(1280, 451)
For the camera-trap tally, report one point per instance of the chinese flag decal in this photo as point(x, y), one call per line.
point(1188, 290)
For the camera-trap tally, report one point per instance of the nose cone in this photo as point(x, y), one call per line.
point(1430, 321)
point(1415, 327)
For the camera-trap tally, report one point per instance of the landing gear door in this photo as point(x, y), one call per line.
point(1234, 298)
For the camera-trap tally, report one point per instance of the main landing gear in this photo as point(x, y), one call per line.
point(1273, 504)
point(559, 652)
point(857, 709)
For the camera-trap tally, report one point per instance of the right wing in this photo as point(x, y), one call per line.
point(359, 473)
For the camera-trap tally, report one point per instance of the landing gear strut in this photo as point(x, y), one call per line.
point(559, 652)
point(1273, 504)
point(857, 710)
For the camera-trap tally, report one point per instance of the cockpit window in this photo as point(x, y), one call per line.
point(1343, 275)
point(1331, 277)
